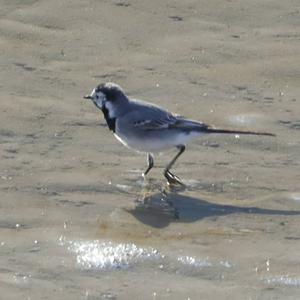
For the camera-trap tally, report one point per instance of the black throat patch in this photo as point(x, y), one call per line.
point(111, 122)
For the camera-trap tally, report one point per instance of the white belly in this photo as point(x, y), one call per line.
point(156, 144)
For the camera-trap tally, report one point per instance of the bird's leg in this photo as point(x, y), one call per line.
point(171, 178)
point(150, 164)
point(146, 187)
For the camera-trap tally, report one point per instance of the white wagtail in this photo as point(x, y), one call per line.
point(148, 128)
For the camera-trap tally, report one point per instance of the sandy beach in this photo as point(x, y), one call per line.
point(72, 221)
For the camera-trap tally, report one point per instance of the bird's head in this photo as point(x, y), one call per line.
point(108, 97)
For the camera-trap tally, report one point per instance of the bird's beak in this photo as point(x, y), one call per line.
point(88, 97)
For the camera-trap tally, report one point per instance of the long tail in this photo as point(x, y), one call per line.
point(229, 131)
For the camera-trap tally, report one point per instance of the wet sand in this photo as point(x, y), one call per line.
point(76, 219)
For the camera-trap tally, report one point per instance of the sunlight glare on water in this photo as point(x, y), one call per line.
point(107, 255)
point(283, 280)
point(192, 261)
point(296, 197)
point(245, 119)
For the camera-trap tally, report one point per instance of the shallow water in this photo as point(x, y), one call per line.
point(77, 220)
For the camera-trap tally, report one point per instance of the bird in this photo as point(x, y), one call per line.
point(148, 128)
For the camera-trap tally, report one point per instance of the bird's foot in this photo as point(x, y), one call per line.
point(173, 179)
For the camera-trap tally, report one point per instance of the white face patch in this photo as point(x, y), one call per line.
point(98, 98)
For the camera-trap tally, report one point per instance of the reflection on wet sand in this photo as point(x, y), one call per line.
point(161, 208)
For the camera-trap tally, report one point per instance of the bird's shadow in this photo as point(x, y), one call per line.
point(162, 208)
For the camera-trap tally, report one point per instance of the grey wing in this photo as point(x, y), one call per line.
point(146, 121)
point(156, 119)
point(189, 125)
point(156, 122)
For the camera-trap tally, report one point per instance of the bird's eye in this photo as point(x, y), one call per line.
point(97, 97)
